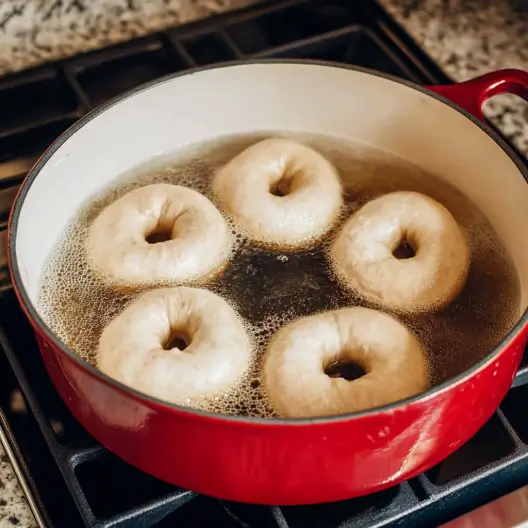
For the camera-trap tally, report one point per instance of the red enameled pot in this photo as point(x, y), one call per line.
point(263, 460)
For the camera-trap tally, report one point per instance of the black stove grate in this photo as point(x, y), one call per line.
point(72, 479)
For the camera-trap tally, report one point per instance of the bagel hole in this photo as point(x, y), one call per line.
point(158, 235)
point(177, 340)
point(404, 250)
point(347, 370)
point(281, 188)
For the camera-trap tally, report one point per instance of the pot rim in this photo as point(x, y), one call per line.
point(33, 315)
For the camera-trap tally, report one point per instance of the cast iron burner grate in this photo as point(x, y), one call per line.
point(71, 479)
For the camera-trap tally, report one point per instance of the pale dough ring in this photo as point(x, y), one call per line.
point(310, 193)
point(131, 347)
point(362, 254)
point(294, 367)
point(199, 243)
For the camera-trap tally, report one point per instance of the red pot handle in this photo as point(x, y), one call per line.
point(472, 94)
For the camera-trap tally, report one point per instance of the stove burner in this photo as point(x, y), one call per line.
point(72, 479)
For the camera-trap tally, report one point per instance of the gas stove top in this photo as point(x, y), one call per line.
point(69, 478)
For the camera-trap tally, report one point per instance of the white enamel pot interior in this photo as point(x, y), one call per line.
point(328, 99)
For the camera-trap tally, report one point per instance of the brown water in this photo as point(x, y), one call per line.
point(270, 288)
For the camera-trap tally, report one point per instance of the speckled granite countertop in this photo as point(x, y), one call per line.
point(33, 31)
point(472, 37)
point(14, 510)
point(466, 37)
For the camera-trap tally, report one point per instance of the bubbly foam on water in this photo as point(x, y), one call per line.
point(270, 288)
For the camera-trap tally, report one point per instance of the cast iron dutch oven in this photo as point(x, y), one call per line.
point(275, 461)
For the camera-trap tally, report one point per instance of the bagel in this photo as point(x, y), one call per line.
point(363, 253)
point(176, 344)
point(280, 193)
point(299, 354)
point(197, 239)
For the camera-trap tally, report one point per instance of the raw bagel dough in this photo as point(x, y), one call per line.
point(362, 254)
point(199, 242)
point(131, 347)
point(299, 353)
point(307, 191)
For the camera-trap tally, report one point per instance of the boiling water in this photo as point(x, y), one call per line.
point(270, 288)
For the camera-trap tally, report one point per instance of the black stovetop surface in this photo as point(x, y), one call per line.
point(70, 478)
